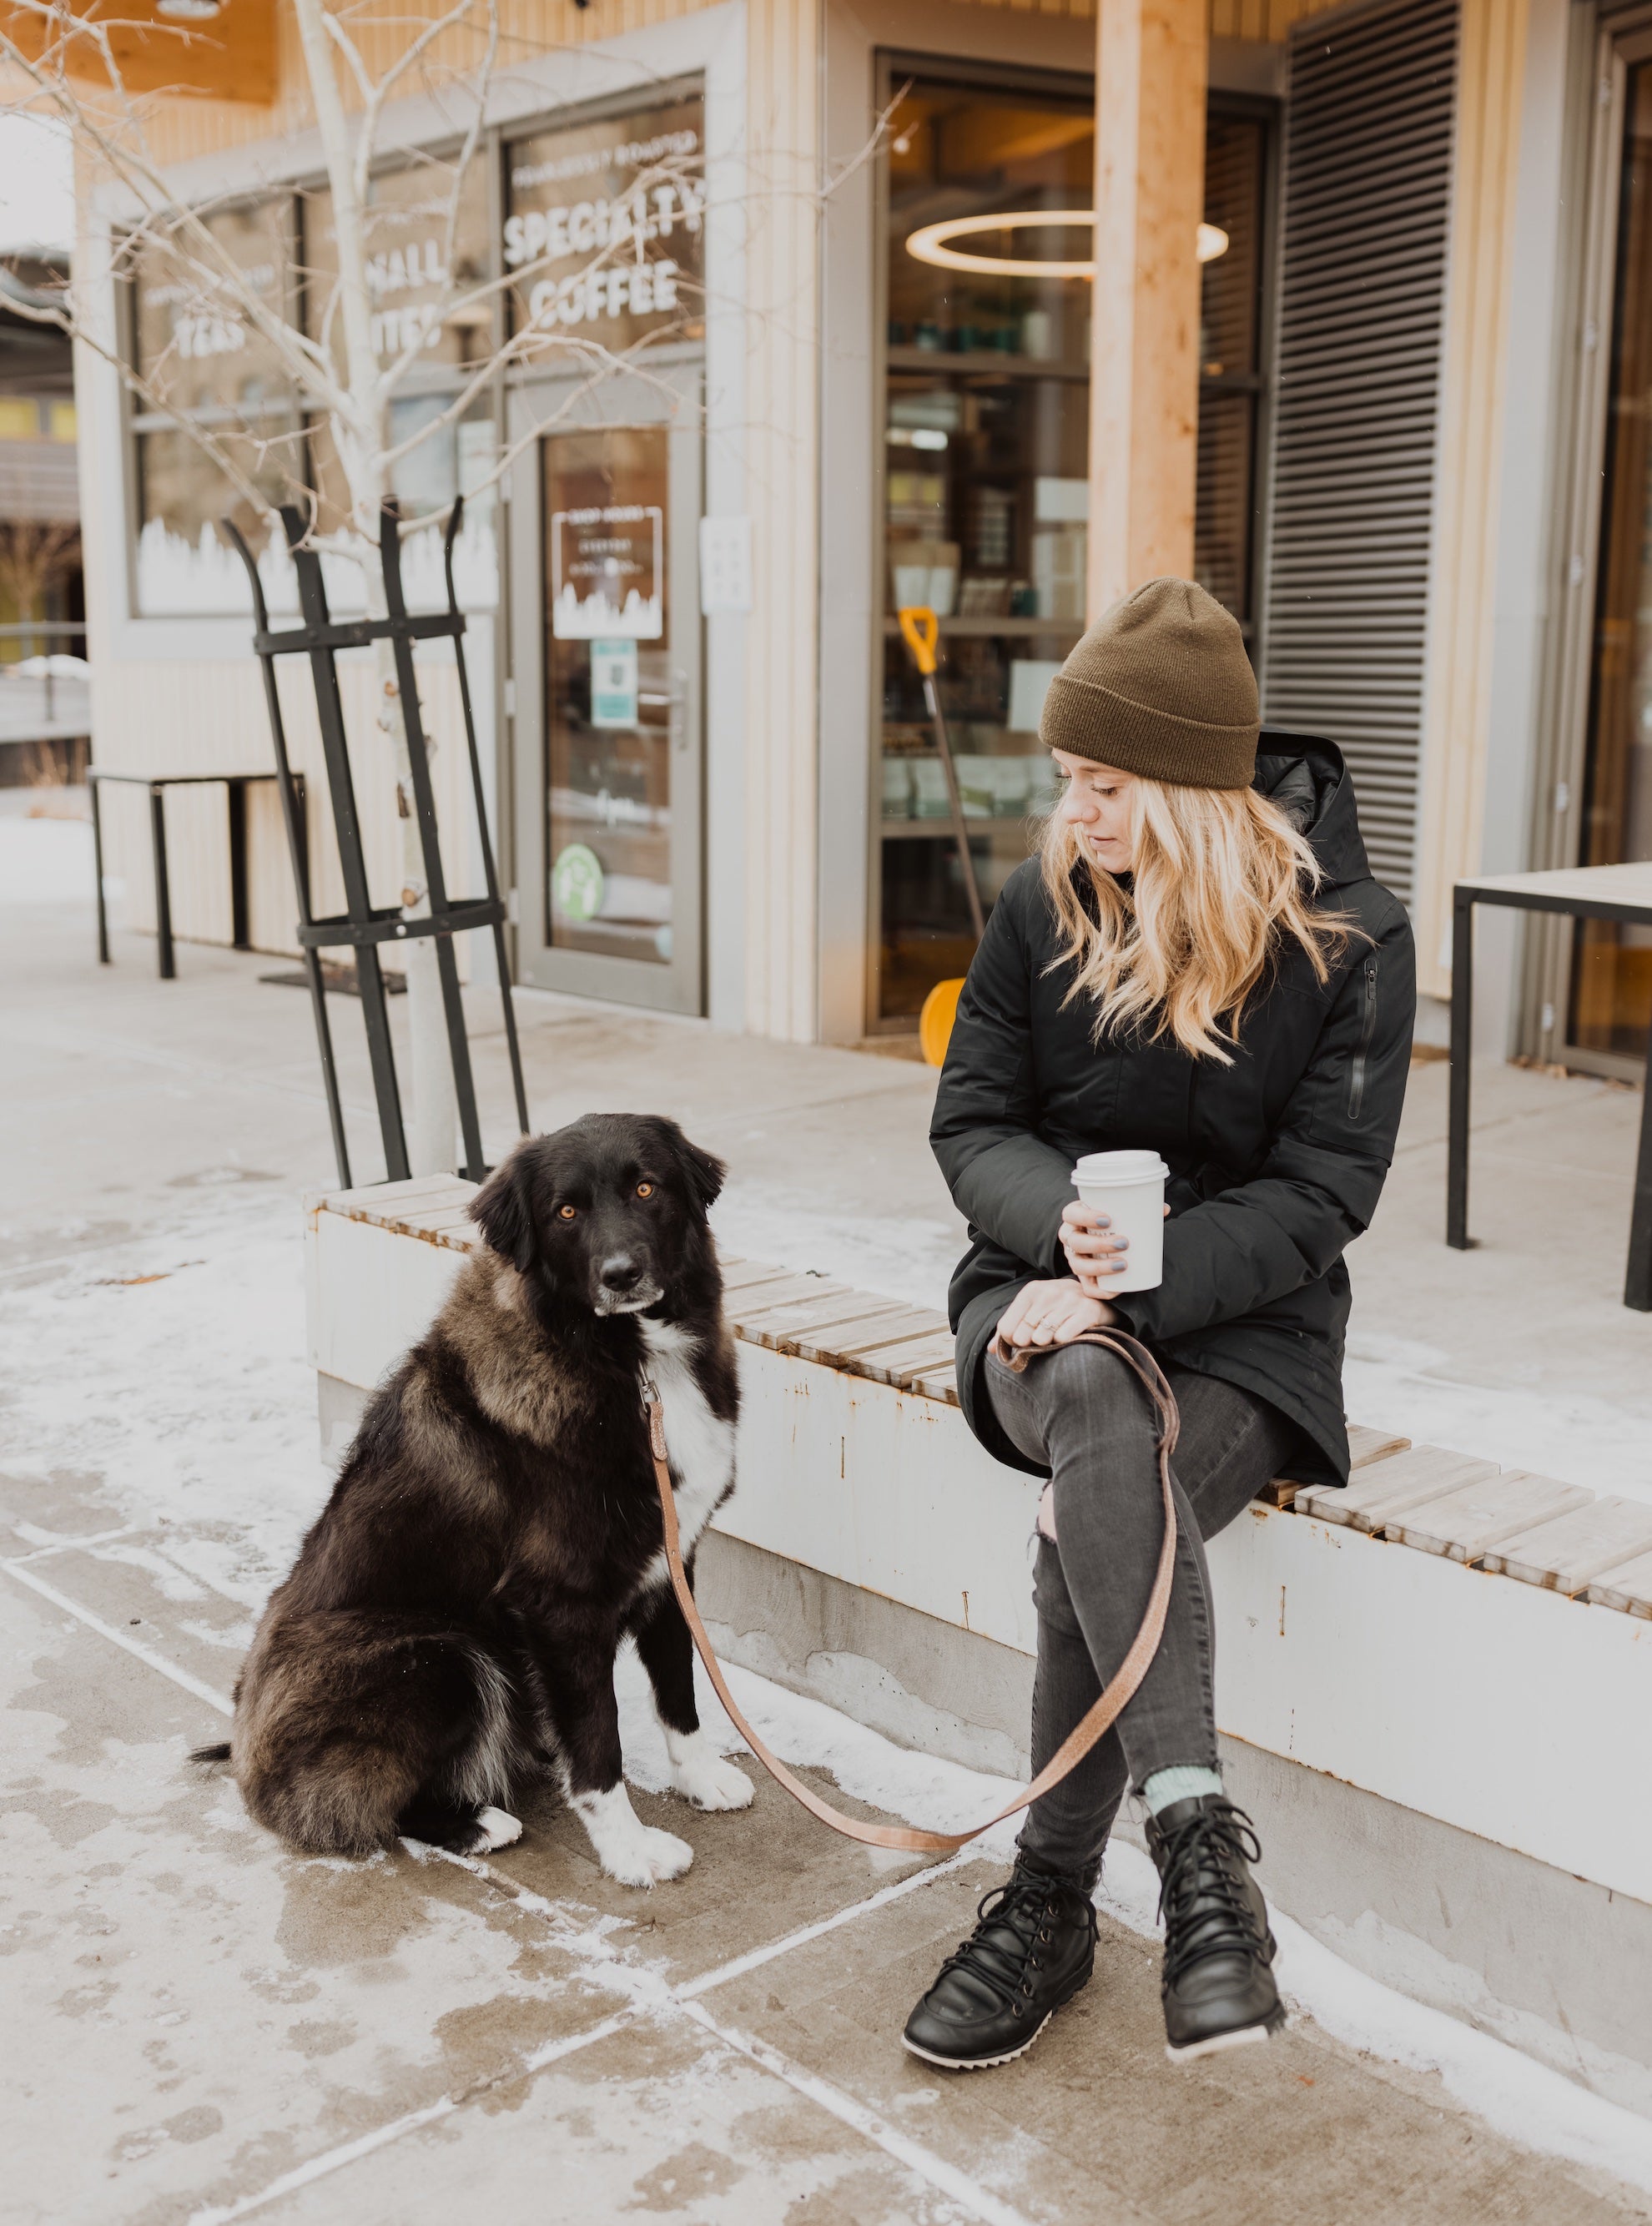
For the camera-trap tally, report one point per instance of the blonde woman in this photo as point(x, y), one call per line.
point(1200, 964)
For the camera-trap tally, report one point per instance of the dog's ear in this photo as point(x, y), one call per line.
point(502, 1211)
point(704, 1173)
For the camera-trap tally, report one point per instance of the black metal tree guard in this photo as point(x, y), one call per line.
point(364, 926)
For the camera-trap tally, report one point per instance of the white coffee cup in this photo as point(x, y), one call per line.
point(1128, 1187)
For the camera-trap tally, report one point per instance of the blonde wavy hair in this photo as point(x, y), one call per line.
point(1220, 878)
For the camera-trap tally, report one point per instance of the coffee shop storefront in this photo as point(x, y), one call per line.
point(859, 375)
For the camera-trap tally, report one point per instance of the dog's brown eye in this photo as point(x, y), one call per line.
point(644, 1190)
point(566, 1212)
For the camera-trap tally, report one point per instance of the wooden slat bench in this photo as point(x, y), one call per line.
point(1529, 1528)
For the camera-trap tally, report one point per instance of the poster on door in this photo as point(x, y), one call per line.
point(606, 569)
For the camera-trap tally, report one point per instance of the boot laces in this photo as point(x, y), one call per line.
point(1017, 1908)
point(1202, 1897)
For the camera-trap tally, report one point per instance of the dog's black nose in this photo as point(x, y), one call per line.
point(620, 1273)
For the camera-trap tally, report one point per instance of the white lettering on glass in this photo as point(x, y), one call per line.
point(638, 289)
point(552, 235)
point(204, 336)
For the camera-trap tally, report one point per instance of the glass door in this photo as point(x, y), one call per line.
point(1610, 987)
point(606, 652)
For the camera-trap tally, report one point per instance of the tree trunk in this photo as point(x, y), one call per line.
point(432, 1124)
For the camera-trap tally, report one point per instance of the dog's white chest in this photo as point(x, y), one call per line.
point(701, 1448)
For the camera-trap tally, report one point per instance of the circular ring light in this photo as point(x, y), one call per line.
point(930, 244)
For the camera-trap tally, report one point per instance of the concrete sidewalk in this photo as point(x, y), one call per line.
point(202, 2027)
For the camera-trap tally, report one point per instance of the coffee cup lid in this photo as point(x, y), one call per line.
point(1119, 1168)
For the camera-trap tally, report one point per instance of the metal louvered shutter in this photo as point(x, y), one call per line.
point(1368, 175)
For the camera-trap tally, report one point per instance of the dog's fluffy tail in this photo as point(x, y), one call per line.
point(218, 1753)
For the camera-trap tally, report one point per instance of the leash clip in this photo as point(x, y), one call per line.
point(656, 1414)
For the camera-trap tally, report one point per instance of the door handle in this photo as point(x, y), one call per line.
point(677, 715)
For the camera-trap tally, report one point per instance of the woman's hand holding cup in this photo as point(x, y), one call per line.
point(1096, 1251)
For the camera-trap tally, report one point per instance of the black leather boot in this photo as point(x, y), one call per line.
point(1218, 1990)
point(1033, 1949)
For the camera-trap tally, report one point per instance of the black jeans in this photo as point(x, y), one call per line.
point(1081, 1412)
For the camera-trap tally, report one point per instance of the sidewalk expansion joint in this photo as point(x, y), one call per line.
point(147, 1655)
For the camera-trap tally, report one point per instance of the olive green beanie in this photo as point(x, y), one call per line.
point(1161, 686)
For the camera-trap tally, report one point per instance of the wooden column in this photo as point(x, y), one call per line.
point(1150, 79)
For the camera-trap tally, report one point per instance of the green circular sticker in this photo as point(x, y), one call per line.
point(577, 883)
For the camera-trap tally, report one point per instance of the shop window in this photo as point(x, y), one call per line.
point(210, 366)
point(603, 234)
point(427, 249)
point(213, 370)
point(986, 473)
point(425, 241)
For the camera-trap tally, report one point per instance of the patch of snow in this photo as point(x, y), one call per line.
point(46, 862)
point(189, 1396)
point(1396, 1384)
point(909, 1257)
point(1527, 2101)
point(60, 665)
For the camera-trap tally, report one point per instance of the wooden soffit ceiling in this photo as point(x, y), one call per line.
point(227, 57)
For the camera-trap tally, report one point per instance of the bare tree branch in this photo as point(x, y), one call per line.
point(873, 146)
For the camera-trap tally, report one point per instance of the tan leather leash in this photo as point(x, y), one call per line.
point(1078, 1744)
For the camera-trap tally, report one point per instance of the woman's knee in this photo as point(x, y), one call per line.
point(1089, 1391)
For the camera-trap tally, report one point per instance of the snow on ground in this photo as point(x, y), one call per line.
point(909, 1258)
point(1391, 1383)
point(173, 1369)
point(1398, 1384)
point(45, 861)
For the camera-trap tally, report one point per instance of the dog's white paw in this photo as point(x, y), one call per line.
point(629, 1850)
point(701, 1775)
point(714, 1784)
point(659, 1856)
point(502, 1829)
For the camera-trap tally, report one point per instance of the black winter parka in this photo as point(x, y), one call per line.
point(1276, 1163)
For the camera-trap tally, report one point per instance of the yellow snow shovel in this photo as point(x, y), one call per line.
point(920, 629)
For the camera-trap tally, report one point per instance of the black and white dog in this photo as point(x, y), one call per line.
point(449, 1631)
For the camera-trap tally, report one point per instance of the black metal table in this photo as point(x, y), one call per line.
point(1621, 892)
point(157, 784)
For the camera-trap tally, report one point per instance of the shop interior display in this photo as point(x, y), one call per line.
point(985, 466)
